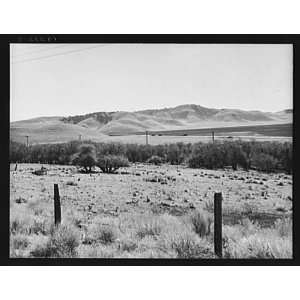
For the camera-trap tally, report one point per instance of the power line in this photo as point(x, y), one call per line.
point(62, 53)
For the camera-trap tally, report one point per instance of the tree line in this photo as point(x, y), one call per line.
point(263, 156)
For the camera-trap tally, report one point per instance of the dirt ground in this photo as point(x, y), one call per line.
point(140, 188)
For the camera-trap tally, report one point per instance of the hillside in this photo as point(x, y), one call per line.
point(100, 124)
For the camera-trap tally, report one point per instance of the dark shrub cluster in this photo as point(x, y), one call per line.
point(111, 163)
point(155, 160)
point(86, 157)
point(264, 156)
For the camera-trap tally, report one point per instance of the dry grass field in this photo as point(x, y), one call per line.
point(147, 211)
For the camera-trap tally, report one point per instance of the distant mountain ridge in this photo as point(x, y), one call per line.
point(183, 115)
point(121, 122)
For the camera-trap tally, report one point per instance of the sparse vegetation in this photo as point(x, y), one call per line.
point(159, 220)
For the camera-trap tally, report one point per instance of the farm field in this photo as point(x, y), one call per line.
point(251, 130)
point(168, 139)
point(147, 211)
point(56, 134)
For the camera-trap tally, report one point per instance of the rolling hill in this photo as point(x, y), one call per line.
point(98, 125)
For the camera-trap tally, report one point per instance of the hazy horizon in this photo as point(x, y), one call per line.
point(69, 79)
point(86, 113)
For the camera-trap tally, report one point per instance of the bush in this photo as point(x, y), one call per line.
point(154, 159)
point(128, 245)
point(284, 227)
point(211, 156)
point(259, 246)
point(62, 243)
point(19, 241)
point(20, 223)
point(149, 228)
point(86, 157)
point(265, 162)
point(187, 246)
point(105, 234)
point(111, 163)
point(201, 222)
point(17, 152)
point(174, 154)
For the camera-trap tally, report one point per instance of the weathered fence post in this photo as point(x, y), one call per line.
point(213, 136)
point(16, 167)
point(218, 224)
point(57, 209)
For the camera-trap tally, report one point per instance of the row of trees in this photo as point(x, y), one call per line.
point(264, 156)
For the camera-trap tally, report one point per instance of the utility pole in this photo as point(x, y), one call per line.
point(27, 136)
point(146, 137)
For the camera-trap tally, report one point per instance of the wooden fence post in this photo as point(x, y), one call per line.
point(57, 209)
point(16, 167)
point(218, 224)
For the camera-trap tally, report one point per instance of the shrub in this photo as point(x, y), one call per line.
point(149, 227)
point(133, 153)
point(20, 200)
point(265, 162)
point(86, 157)
point(284, 227)
point(40, 226)
point(110, 149)
point(106, 235)
point(19, 241)
point(128, 245)
point(201, 222)
point(154, 159)
point(259, 246)
point(211, 156)
point(95, 251)
point(62, 243)
point(237, 154)
point(209, 205)
point(250, 240)
point(111, 163)
point(186, 246)
point(71, 183)
point(17, 152)
point(174, 154)
point(103, 233)
point(20, 223)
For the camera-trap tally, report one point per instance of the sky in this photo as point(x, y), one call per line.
point(74, 79)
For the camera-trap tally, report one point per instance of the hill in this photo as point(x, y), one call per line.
point(98, 125)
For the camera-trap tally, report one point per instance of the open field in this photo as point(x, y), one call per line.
point(145, 211)
point(168, 139)
point(54, 130)
point(280, 130)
